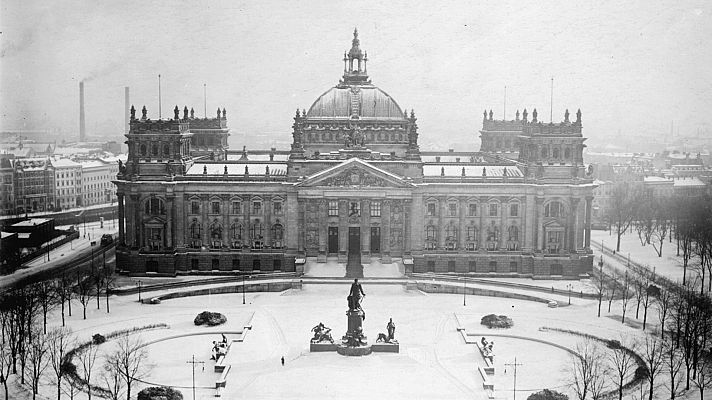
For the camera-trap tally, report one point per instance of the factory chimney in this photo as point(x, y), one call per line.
point(82, 128)
point(126, 109)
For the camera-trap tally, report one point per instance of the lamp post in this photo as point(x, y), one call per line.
point(85, 225)
point(569, 286)
point(139, 291)
point(243, 288)
point(193, 362)
point(464, 292)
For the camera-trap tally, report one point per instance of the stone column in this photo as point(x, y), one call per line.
point(386, 232)
point(225, 208)
point(462, 232)
point(343, 230)
point(365, 228)
point(482, 241)
point(528, 218)
point(181, 215)
point(321, 257)
point(503, 233)
point(205, 223)
point(267, 222)
point(122, 226)
point(170, 217)
point(573, 225)
point(407, 227)
point(442, 210)
point(293, 221)
point(587, 244)
point(416, 224)
point(136, 220)
point(539, 223)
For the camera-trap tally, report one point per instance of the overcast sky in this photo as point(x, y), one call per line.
point(630, 66)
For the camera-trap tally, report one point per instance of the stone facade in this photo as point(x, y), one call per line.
point(355, 179)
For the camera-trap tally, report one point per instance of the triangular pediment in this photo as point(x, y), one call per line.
point(154, 221)
point(355, 173)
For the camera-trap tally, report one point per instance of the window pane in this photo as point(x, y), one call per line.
point(514, 210)
point(493, 210)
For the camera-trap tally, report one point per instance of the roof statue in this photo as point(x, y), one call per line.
point(534, 114)
point(490, 115)
point(224, 113)
point(133, 113)
point(484, 115)
point(218, 112)
point(176, 113)
point(192, 113)
point(185, 112)
point(143, 112)
point(566, 115)
point(524, 115)
point(578, 116)
point(355, 51)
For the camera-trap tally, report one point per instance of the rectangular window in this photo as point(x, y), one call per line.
point(235, 264)
point(431, 209)
point(236, 207)
point(514, 210)
point(195, 207)
point(375, 209)
point(194, 263)
point(333, 208)
point(277, 265)
point(472, 210)
point(493, 210)
point(215, 264)
point(451, 266)
point(472, 266)
point(257, 207)
point(493, 266)
point(277, 208)
point(256, 266)
point(215, 207)
point(431, 266)
point(512, 266)
point(452, 209)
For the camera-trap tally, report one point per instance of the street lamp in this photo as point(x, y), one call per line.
point(243, 288)
point(570, 286)
point(464, 292)
point(139, 291)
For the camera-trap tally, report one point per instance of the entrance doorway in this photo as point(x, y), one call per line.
point(333, 239)
point(354, 240)
point(375, 239)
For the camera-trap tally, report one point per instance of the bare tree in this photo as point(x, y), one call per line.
point(588, 371)
point(623, 363)
point(663, 302)
point(112, 379)
point(662, 224)
point(624, 201)
point(652, 353)
point(59, 341)
point(83, 290)
point(129, 361)
point(46, 295)
point(703, 379)
point(68, 387)
point(109, 281)
point(87, 359)
point(626, 295)
point(37, 348)
point(672, 361)
point(5, 351)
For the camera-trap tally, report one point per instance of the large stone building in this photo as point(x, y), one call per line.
point(353, 183)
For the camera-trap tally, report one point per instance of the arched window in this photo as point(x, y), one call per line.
point(430, 232)
point(143, 149)
point(236, 231)
point(513, 233)
point(216, 232)
point(155, 206)
point(195, 229)
point(166, 149)
point(556, 152)
point(451, 233)
point(277, 232)
point(544, 152)
point(472, 233)
point(554, 209)
point(154, 149)
point(256, 231)
point(567, 153)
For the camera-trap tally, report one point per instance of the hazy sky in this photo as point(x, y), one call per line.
point(629, 66)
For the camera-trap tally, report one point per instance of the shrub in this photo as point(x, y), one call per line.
point(497, 321)
point(98, 338)
point(159, 393)
point(547, 394)
point(209, 318)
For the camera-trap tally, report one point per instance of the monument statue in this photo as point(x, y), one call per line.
point(322, 333)
point(355, 296)
point(391, 328)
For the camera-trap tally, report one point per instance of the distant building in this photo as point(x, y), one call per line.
point(34, 187)
point(7, 187)
point(68, 183)
point(97, 186)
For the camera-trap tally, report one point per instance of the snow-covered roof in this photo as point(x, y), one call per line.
point(692, 181)
point(472, 170)
point(237, 169)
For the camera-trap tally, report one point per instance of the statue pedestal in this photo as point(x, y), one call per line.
point(354, 343)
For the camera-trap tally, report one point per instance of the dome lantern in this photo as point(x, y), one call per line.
point(355, 63)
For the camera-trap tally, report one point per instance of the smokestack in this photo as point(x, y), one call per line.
point(126, 109)
point(82, 128)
